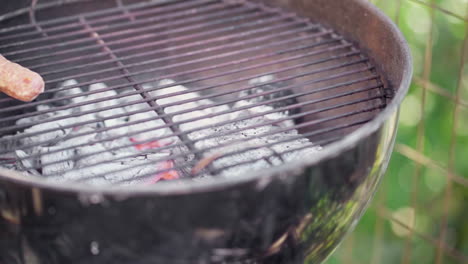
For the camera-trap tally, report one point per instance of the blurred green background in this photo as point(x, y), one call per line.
point(420, 213)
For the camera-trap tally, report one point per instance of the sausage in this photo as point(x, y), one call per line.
point(19, 82)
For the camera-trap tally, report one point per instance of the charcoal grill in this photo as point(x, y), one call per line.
point(338, 69)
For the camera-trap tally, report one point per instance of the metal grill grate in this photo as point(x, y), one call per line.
point(444, 240)
point(214, 48)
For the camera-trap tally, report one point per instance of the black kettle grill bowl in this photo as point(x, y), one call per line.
point(282, 215)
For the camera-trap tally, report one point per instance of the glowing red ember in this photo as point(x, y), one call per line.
point(165, 166)
point(147, 145)
point(167, 174)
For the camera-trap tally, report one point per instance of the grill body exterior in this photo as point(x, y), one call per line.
point(286, 214)
point(291, 214)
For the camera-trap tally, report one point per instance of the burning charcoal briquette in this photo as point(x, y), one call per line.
point(82, 135)
point(9, 143)
point(66, 118)
point(272, 115)
point(68, 92)
point(238, 142)
point(25, 163)
point(91, 154)
point(147, 125)
point(54, 135)
point(188, 107)
point(118, 147)
point(104, 99)
point(127, 171)
point(135, 169)
point(37, 117)
point(132, 103)
point(56, 162)
point(266, 85)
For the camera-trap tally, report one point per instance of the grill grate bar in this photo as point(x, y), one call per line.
point(152, 103)
point(18, 126)
point(202, 69)
point(32, 18)
point(109, 19)
point(125, 35)
point(366, 89)
point(201, 150)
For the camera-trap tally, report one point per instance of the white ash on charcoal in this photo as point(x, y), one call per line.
point(68, 91)
point(26, 164)
point(270, 91)
point(127, 171)
point(181, 95)
point(62, 160)
point(242, 142)
point(264, 91)
point(80, 146)
point(249, 144)
point(91, 145)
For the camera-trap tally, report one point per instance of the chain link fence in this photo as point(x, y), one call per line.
point(420, 213)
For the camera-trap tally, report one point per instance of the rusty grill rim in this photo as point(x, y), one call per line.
point(289, 169)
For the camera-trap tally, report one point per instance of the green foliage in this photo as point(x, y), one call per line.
point(363, 246)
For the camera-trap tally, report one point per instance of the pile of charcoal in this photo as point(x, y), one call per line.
point(107, 137)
